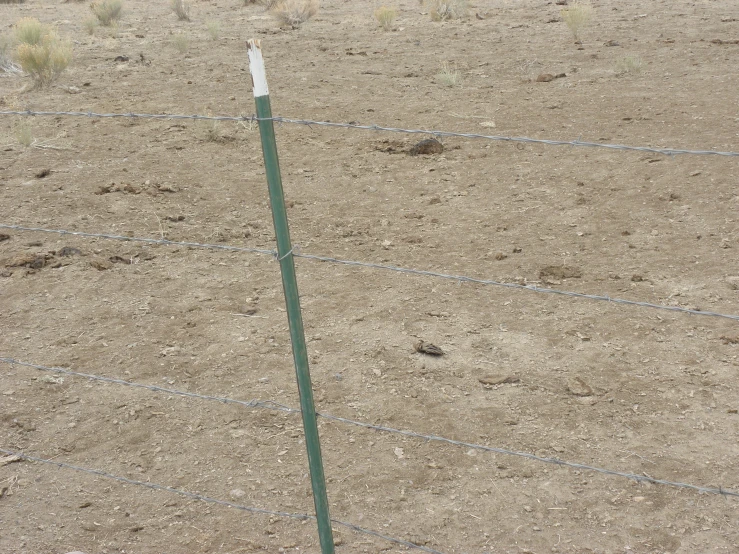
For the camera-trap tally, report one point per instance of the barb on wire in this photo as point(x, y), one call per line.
point(210, 500)
point(459, 278)
point(308, 122)
point(434, 438)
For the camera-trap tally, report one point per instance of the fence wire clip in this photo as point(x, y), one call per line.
point(294, 250)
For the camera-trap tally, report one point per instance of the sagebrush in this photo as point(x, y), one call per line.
point(29, 30)
point(43, 57)
point(386, 17)
point(576, 16)
point(107, 11)
point(295, 12)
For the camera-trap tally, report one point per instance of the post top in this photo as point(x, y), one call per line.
point(256, 67)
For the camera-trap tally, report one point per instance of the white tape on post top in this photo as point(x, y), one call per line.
point(256, 67)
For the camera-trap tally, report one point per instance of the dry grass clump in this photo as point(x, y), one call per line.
point(107, 11)
point(442, 10)
point(214, 29)
point(40, 52)
point(23, 133)
point(89, 25)
point(448, 76)
point(386, 17)
point(628, 64)
point(181, 8)
point(181, 42)
point(577, 15)
point(294, 12)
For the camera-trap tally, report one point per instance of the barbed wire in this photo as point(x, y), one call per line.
point(210, 500)
point(433, 438)
point(140, 239)
point(555, 461)
point(533, 288)
point(267, 404)
point(436, 133)
point(458, 278)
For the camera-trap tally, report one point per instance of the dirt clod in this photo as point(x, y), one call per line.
point(427, 146)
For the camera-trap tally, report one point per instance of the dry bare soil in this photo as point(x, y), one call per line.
point(638, 390)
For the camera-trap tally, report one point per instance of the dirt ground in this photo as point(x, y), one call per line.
point(631, 389)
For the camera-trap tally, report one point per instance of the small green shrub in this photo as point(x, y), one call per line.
point(181, 8)
point(107, 11)
point(448, 76)
point(181, 42)
point(577, 15)
point(386, 17)
point(29, 30)
point(214, 29)
point(23, 133)
point(90, 24)
point(628, 64)
point(40, 51)
point(44, 62)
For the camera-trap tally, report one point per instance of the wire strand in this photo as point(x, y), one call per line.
point(458, 278)
point(309, 123)
point(275, 406)
point(210, 500)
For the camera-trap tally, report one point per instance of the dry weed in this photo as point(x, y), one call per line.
point(107, 11)
point(628, 64)
point(295, 12)
point(214, 29)
point(181, 8)
point(386, 17)
point(442, 10)
point(448, 76)
point(181, 42)
point(40, 52)
point(577, 15)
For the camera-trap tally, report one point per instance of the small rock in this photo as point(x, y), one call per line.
point(237, 493)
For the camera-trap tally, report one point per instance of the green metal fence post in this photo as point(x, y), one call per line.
point(292, 298)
